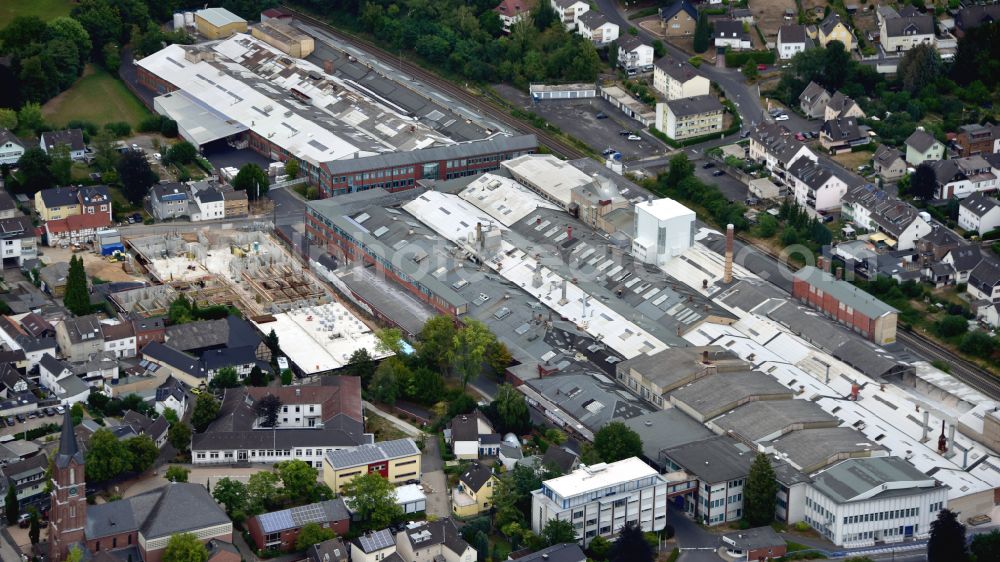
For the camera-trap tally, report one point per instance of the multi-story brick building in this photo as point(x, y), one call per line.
point(846, 304)
point(975, 139)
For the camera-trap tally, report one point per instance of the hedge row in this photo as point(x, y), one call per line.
point(736, 59)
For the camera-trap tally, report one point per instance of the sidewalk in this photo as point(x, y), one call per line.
point(403, 426)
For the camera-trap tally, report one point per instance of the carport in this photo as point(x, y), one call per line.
point(197, 123)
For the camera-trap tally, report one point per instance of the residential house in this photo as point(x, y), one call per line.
point(687, 118)
point(8, 207)
point(598, 499)
point(75, 229)
point(979, 213)
point(180, 365)
point(935, 245)
point(594, 26)
point(28, 479)
point(241, 359)
point(80, 337)
point(70, 390)
point(16, 338)
point(962, 260)
point(922, 147)
point(730, 34)
point(513, 11)
point(11, 148)
point(774, 146)
point(466, 432)
point(57, 203)
point(279, 530)
point(901, 33)
point(171, 394)
point(148, 330)
point(375, 546)
point(36, 326)
point(100, 369)
point(560, 459)
point(974, 15)
point(168, 200)
point(758, 543)
point(52, 278)
point(10, 378)
point(889, 163)
point(17, 240)
point(236, 203)
point(509, 455)
point(961, 177)
point(72, 139)
point(813, 100)
point(313, 420)
point(144, 425)
point(833, 28)
point(398, 461)
point(119, 339)
point(792, 40)
point(843, 134)
point(819, 185)
point(678, 19)
point(569, 11)
point(988, 313)
point(434, 540)
point(678, 79)
point(875, 210)
point(634, 55)
point(861, 501)
point(842, 106)
point(984, 282)
point(474, 493)
point(333, 550)
point(975, 139)
point(207, 204)
point(51, 370)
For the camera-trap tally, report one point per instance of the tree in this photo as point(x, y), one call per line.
point(947, 542)
point(631, 546)
point(8, 118)
point(105, 155)
point(12, 509)
point(390, 340)
point(702, 33)
point(251, 179)
point(680, 169)
point(76, 413)
point(312, 533)
point(231, 493)
point(426, 385)
point(986, 546)
point(135, 176)
point(77, 297)
point(616, 441)
point(268, 408)
point(61, 165)
point(923, 182)
point(262, 491)
point(34, 171)
point(361, 365)
point(271, 341)
point(921, 66)
point(182, 153)
point(143, 452)
point(469, 348)
point(436, 338)
point(373, 499)
point(34, 527)
point(225, 378)
point(180, 310)
point(599, 548)
point(498, 358)
point(512, 409)
point(978, 344)
point(292, 168)
point(65, 27)
point(107, 457)
point(179, 436)
point(286, 377)
point(30, 118)
point(298, 478)
point(206, 409)
point(659, 50)
point(951, 326)
point(749, 69)
point(558, 531)
point(177, 473)
point(759, 495)
point(75, 554)
point(185, 547)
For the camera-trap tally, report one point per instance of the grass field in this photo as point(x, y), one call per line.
point(45, 9)
point(97, 97)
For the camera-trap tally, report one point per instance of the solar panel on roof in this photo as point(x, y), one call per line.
point(376, 541)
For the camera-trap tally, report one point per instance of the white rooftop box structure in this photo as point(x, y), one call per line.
point(663, 229)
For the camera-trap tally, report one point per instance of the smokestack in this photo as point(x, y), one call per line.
point(563, 300)
point(727, 277)
point(479, 234)
point(927, 421)
point(820, 263)
point(704, 356)
point(951, 439)
point(942, 441)
point(569, 232)
point(855, 391)
point(840, 273)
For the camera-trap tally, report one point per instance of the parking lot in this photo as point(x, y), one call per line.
point(732, 188)
point(579, 118)
point(29, 423)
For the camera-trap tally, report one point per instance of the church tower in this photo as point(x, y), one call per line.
point(68, 510)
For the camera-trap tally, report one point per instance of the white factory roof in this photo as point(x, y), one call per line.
point(455, 219)
point(587, 479)
point(283, 122)
point(409, 493)
point(321, 338)
point(503, 198)
point(548, 174)
point(219, 16)
point(202, 123)
point(665, 209)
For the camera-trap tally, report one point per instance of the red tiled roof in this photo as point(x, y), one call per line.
point(338, 395)
point(78, 222)
point(514, 7)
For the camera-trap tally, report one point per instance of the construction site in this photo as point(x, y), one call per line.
point(244, 269)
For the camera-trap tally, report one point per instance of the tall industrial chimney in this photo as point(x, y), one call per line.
point(926, 424)
point(727, 277)
point(942, 441)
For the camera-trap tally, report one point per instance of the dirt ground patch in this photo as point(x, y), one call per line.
point(95, 265)
point(770, 15)
point(814, 9)
point(851, 160)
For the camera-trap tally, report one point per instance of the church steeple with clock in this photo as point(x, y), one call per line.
point(68, 510)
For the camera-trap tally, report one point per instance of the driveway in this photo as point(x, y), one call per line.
point(696, 544)
point(434, 481)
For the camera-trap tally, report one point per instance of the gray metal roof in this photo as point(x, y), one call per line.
point(652, 430)
point(565, 552)
point(715, 394)
point(695, 105)
point(714, 460)
point(844, 292)
point(765, 419)
point(367, 454)
point(758, 537)
point(812, 449)
point(497, 144)
point(854, 477)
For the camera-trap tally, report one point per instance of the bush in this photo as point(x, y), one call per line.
point(119, 128)
point(736, 59)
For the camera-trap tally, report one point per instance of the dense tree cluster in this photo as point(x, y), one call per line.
point(107, 457)
point(681, 183)
point(291, 483)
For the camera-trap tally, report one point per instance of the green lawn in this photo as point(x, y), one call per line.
point(45, 9)
point(97, 97)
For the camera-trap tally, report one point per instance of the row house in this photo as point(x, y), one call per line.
point(62, 202)
point(774, 146)
point(76, 229)
point(80, 337)
point(841, 106)
point(979, 213)
point(819, 185)
point(961, 177)
point(877, 211)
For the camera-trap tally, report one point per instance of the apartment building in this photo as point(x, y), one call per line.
point(690, 117)
point(397, 461)
point(678, 79)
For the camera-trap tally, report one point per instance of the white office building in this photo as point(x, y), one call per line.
point(663, 229)
point(601, 499)
point(861, 501)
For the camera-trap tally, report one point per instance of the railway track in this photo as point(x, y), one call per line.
point(556, 145)
point(961, 369)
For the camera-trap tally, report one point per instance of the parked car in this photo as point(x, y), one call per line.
point(634, 137)
point(10, 420)
point(718, 173)
point(137, 217)
point(60, 410)
point(50, 412)
point(707, 165)
point(761, 67)
point(782, 117)
point(24, 520)
point(196, 391)
point(625, 133)
point(32, 415)
point(157, 156)
point(608, 152)
point(601, 115)
point(800, 137)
